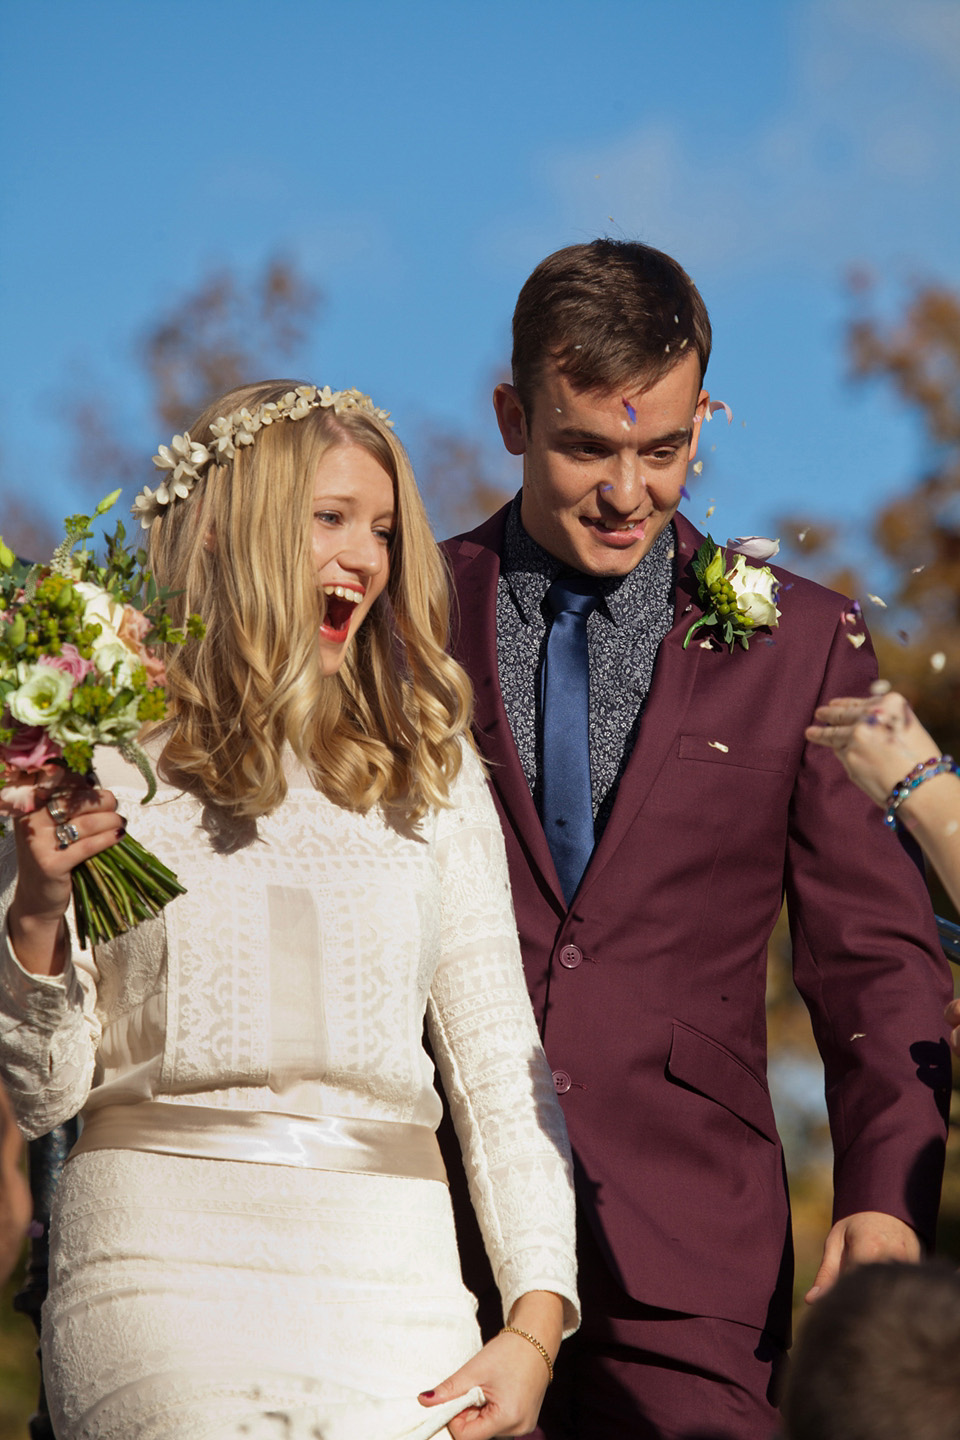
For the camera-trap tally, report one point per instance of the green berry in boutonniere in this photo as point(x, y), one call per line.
point(737, 601)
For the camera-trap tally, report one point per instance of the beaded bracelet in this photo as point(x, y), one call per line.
point(936, 765)
point(512, 1330)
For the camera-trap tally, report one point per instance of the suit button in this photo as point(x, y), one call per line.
point(571, 956)
point(561, 1081)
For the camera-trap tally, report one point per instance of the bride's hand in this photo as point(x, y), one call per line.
point(509, 1370)
point(878, 740)
point(71, 824)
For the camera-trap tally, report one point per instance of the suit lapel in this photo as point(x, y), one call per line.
point(476, 566)
point(671, 690)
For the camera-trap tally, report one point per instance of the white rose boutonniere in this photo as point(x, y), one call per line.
point(737, 600)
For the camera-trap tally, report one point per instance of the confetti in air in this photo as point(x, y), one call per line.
point(859, 1035)
point(710, 510)
point(917, 568)
point(630, 410)
point(875, 600)
point(716, 405)
point(719, 745)
point(856, 640)
point(802, 536)
point(684, 343)
point(698, 468)
point(755, 547)
point(903, 637)
point(684, 492)
point(880, 687)
point(706, 644)
point(938, 661)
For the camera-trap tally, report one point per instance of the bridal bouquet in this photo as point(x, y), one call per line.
point(78, 669)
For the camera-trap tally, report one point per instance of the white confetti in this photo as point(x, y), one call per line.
point(706, 644)
point(860, 1035)
point(710, 510)
point(683, 343)
point(698, 468)
point(802, 536)
point(880, 687)
point(856, 640)
point(875, 600)
point(938, 661)
point(755, 547)
point(719, 745)
point(917, 568)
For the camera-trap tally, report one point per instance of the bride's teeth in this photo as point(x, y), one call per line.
point(343, 593)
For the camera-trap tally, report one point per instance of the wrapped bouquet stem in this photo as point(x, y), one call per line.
point(79, 668)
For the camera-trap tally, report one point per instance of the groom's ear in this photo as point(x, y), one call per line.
point(511, 419)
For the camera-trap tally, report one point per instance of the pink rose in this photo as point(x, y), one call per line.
point(134, 628)
point(30, 749)
point(18, 799)
point(155, 668)
point(69, 660)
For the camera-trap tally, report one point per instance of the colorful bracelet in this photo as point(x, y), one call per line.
point(512, 1330)
point(936, 765)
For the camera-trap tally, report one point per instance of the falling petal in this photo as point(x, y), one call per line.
point(875, 600)
point(880, 687)
point(684, 343)
point(606, 487)
point(938, 661)
point(698, 468)
point(787, 587)
point(630, 410)
point(706, 644)
point(917, 568)
point(802, 536)
point(685, 493)
point(754, 547)
point(716, 405)
point(710, 510)
point(855, 607)
point(35, 1230)
point(859, 1035)
point(719, 745)
point(856, 640)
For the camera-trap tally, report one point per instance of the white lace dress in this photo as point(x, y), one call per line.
point(193, 1297)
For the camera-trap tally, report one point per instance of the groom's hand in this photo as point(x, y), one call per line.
point(861, 1240)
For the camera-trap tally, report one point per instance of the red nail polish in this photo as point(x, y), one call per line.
point(427, 1394)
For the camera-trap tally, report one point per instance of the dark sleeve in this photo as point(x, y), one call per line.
point(869, 965)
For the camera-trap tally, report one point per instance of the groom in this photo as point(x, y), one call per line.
point(657, 803)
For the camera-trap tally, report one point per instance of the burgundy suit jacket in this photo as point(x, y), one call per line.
point(650, 987)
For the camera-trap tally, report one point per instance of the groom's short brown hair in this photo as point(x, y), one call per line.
point(609, 313)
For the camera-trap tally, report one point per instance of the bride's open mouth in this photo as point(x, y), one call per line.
point(340, 602)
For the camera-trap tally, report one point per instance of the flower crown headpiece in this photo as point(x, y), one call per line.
point(185, 460)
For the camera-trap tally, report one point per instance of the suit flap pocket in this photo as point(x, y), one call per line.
point(710, 1069)
point(723, 751)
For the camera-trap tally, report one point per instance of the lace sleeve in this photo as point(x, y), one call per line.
point(496, 1078)
point(48, 1031)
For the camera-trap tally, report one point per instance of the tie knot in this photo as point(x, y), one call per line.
point(576, 595)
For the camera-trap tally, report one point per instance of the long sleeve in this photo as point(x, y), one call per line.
point(48, 1030)
point(494, 1072)
point(869, 966)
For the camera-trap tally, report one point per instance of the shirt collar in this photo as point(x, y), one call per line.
point(529, 571)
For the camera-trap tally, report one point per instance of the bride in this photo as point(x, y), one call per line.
point(253, 1235)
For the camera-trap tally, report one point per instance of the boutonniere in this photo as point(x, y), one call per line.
point(736, 600)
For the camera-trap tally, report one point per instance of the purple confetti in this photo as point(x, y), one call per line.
point(855, 607)
point(684, 492)
point(606, 487)
point(787, 587)
point(630, 411)
point(35, 1230)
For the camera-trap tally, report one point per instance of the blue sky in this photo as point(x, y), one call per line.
point(416, 160)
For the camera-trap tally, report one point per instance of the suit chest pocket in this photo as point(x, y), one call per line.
point(713, 778)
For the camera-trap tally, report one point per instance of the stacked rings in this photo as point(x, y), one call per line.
point(66, 834)
point(56, 811)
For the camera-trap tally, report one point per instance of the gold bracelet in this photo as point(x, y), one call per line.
point(512, 1330)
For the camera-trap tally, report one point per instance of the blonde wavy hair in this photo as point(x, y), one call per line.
point(388, 726)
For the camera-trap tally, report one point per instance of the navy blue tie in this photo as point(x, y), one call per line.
point(566, 806)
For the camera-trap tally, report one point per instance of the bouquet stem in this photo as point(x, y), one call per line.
point(118, 889)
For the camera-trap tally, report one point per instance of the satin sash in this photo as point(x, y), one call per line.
point(265, 1137)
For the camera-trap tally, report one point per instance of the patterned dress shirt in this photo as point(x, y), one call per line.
point(624, 633)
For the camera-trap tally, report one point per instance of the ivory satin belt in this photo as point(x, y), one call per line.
point(265, 1137)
